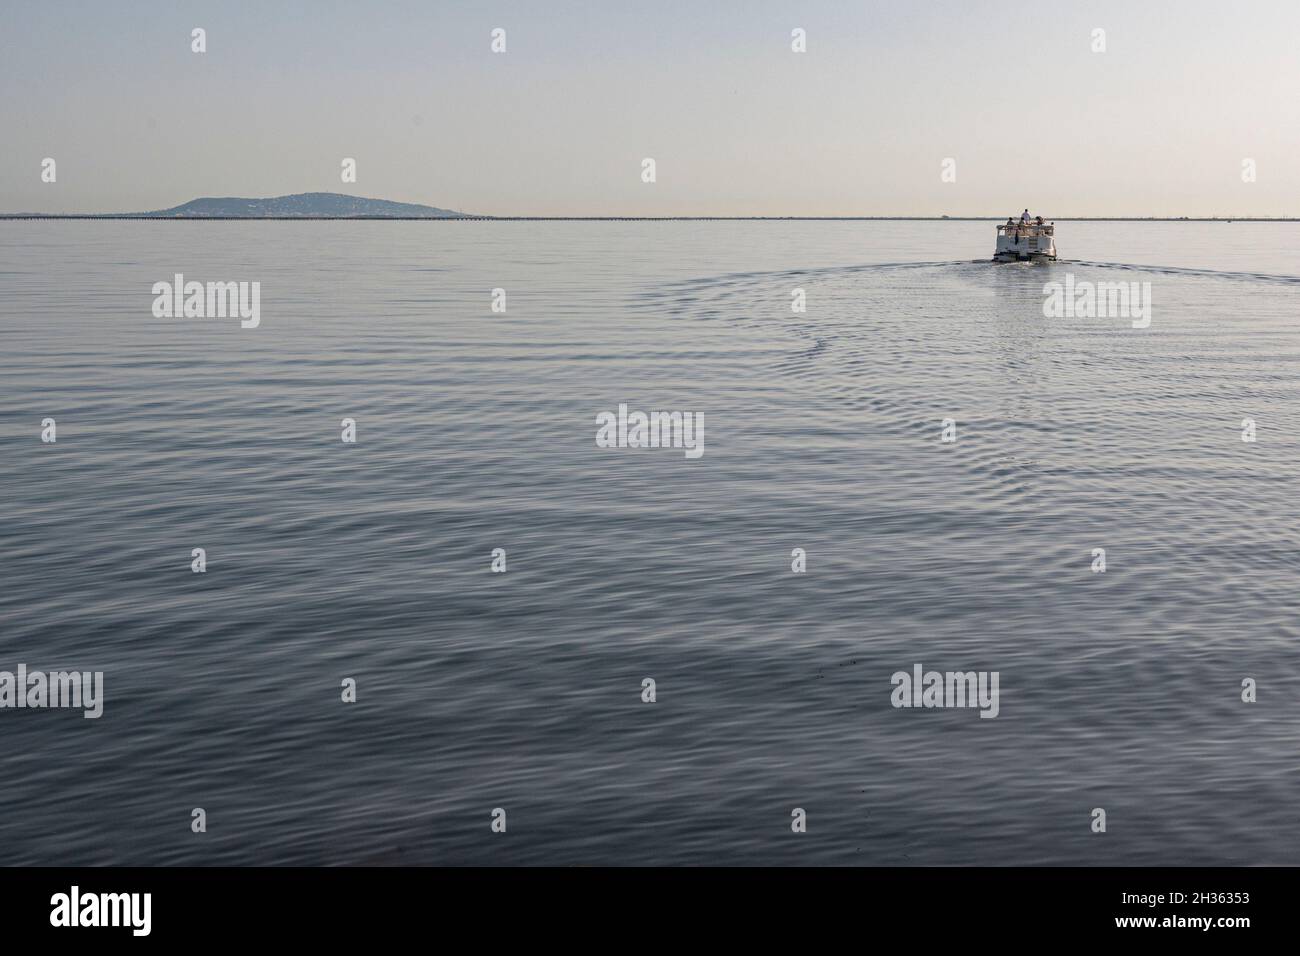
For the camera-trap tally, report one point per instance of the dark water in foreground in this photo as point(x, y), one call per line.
point(523, 690)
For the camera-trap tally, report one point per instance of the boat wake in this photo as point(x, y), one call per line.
point(870, 331)
point(1179, 271)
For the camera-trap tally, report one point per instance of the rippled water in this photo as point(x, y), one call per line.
point(522, 690)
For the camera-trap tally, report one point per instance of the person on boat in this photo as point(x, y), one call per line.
point(1038, 221)
point(1024, 216)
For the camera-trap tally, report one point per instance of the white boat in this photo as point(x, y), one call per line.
point(1026, 242)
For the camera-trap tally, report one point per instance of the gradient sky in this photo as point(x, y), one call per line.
point(737, 123)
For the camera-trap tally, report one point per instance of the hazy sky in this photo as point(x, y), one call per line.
point(1158, 124)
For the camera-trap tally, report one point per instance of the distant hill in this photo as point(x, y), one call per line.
point(302, 205)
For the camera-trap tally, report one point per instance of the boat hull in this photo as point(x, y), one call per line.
point(1024, 257)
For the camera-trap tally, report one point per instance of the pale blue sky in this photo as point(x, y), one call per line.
point(738, 124)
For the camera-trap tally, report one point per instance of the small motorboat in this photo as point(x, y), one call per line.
point(1026, 242)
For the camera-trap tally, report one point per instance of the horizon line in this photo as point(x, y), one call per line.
point(462, 217)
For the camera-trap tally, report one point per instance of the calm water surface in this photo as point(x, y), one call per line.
point(522, 690)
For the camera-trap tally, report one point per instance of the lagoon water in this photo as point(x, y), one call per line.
point(475, 430)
